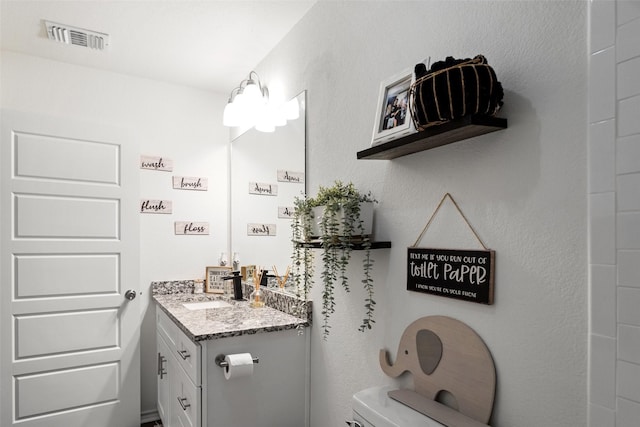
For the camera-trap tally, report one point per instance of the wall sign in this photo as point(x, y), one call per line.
point(261, 229)
point(156, 163)
point(286, 212)
point(290, 176)
point(190, 228)
point(190, 183)
point(263, 189)
point(460, 274)
point(156, 206)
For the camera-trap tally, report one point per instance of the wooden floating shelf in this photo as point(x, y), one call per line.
point(435, 136)
point(354, 246)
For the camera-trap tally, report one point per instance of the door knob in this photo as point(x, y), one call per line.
point(130, 294)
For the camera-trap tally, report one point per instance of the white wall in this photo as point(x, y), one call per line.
point(523, 189)
point(175, 122)
point(614, 212)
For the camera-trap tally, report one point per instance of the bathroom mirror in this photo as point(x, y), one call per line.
point(267, 171)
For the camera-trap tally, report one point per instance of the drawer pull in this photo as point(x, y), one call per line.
point(184, 354)
point(182, 401)
point(161, 371)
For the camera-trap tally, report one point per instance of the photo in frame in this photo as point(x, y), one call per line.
point(214, 282)
point(247, 272)
point(393, 118)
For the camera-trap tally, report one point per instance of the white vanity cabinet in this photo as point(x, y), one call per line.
point(193, 390)
point(179, 375)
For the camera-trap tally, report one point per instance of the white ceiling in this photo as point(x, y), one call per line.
point(211, 44)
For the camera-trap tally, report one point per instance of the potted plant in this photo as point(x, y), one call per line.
point(340, 218)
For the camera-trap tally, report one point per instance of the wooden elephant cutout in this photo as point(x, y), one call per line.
point(445, 356)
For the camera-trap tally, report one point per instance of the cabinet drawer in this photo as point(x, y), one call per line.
point(187, 400)
point(188, 356)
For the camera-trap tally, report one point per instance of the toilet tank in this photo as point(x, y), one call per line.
point(373, 408)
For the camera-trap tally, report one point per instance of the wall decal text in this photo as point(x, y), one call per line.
point(286, 212)
point(156, 206)
point(190, 228)
point(190, 183)
point(156, 163)
point(263, 189)
point(290, 176)
point(261, 229)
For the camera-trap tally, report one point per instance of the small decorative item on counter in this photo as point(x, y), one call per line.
point(214, 282)
point(454, 88)
point(236, 261)
point(282, 280)
point(198, 286)
point(265, 280)
point(248, 273)
point(223, 260)
point(256, 299)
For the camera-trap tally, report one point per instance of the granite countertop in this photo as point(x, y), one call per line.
point(206, 324)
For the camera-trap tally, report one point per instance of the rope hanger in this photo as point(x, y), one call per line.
point(461, 214)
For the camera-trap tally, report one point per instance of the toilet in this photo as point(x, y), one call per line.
point(373, 408)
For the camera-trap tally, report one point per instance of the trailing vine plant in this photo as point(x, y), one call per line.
point(341, 228)
point(302, 266)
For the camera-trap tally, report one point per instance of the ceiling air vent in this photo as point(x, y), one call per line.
point(77, 36)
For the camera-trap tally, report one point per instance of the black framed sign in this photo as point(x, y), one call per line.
point(462, 274)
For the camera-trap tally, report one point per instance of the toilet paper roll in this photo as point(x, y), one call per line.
point(238, 365)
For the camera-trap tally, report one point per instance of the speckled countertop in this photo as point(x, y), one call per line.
point(239, 319)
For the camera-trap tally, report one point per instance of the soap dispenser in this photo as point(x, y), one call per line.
point(237, 285)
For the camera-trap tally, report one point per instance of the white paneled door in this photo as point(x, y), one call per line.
point(69, 318)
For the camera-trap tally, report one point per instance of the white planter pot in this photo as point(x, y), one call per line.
point(366, 214)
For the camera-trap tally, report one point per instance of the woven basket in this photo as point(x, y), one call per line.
point(469, 87)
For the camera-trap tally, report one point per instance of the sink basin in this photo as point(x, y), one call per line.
point(205, 304)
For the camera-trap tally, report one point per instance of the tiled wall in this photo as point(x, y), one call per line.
point(614, 213)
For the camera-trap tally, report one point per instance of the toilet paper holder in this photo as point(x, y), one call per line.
point(223, 363)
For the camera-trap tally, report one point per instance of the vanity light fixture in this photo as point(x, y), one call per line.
point(249, 106)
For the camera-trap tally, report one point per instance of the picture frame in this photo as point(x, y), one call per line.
point(247, 272)
point(213, 278)
point(393, 116)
